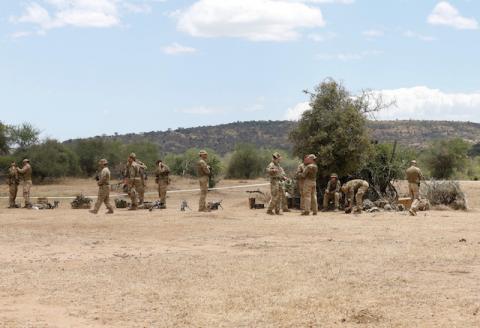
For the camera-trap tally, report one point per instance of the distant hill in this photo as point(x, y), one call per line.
point(274, 134)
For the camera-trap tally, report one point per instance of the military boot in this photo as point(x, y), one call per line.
point(93, 212)
point(305, 213)
point(270, 212)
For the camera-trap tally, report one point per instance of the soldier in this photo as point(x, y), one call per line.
point(310, 185)
point(163, 180)
point(414, 176)
point(356, 188)
point(300, 181)
point(142, 173)
point(13, 182)
point(134, 182)
point(203, 171)
point(103, 188)
point(332, 192)
point(277, 175)
point(26, 173)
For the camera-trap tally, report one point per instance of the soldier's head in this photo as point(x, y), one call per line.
point(103, 162)
point(276, 157)
point(413, 162)
point(133, 155)
point(310, 159)
point(158, 162)
point(203, 154)
point(26, 161)
point(334, 177)
point(130, 160)
point(13, 164)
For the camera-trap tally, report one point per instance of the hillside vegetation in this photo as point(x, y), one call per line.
point(274, 134)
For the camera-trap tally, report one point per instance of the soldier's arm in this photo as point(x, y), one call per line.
point(22, 170)
point(103, 178)
point(205, 168)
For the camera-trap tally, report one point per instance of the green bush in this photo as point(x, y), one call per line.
point(446, 157)
point(246, 162)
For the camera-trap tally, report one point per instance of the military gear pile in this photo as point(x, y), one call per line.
point(81, 202)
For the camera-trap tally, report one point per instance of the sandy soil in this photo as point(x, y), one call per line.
point(237, 267)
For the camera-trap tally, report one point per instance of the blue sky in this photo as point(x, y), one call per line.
point(78, 68)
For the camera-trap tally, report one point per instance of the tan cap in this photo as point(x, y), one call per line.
point(133, 155)
point(202, 152)
point(103, 161)
point(413, 162)
point(312, 156)
point(334, 175)
point(26, 160)
point(276, 155)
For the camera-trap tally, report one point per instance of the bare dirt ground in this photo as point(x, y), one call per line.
point(237, 267)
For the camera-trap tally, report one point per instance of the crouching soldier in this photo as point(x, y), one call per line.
point(332, 193)
point(355, 189)
point(103, 188)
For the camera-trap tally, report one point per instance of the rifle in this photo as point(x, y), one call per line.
point(214, 205)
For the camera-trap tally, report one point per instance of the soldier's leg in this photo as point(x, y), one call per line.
point(99, 201)
point(140, 188)
point(132, 193)
point(12, 195)
point(308, 198)
point(415, 194)
point(314, 201)
point(274, 197)
point(26, 193)
point(326, 200)
point(202, 203)
point(163, 192)
point(302, 197)
point(106, 200)
point(283, 198)
point(337, 200)
point(359, 198)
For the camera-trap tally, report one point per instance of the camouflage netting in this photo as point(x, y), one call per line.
point(446, 193)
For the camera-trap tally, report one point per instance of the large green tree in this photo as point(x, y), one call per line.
point(445, 157)
point(335, 129)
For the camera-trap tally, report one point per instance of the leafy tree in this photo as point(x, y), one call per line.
point(4, 139)
point(247, 162)
point(445, 157)
point(51, 159)
point(335, 129)
point(90, 151)
point(25, 135)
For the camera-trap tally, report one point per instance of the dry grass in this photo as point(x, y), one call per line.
point(238, 267)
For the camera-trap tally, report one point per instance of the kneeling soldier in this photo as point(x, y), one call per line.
point(332, 192)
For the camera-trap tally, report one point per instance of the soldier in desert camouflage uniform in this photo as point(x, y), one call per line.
point(103, 188)
point(300, 181)
point(277, 175)
point(26, 174)
point(355, 189)
point(13, 181)
point(133, 180)
point(310, 185)
point(414, 176)
point(163, 180)
point(203, 171)
point(332, 192)
point(142, 168)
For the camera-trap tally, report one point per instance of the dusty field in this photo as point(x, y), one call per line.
point(237, 267)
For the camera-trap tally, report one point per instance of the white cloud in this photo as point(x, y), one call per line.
point(446, 14)
point(322, 37)
point(77, 13)
point(373, 33)
point(352, 56)
point(418, 103)
point(255, 20)
point(177, 49)
point(295, 113)
point(414, 35)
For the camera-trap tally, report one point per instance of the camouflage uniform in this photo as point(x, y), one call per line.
point(203, 171)
point(310, 188)
point(163, 181)
point(134, 182)
point(13, 182)
point(103, 189)
point(332, 192)
point(142, 168)
point(276, 174)
point(356, 188)
point(414, 176)
point(301, 180)
point(26, 173)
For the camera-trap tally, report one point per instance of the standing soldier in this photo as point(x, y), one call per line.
point(332, 192)
point(203, 172)
point(142, 168)
point(26, 173)
point(300, 181)
point(103, 188)
point(13, 182)
point(355, 188)
point(162, 177)
point(414, 176)
point(134, 182)
point(310, 185)
point(276, 174)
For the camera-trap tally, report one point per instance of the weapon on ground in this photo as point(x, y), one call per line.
point(157, 205)
point(81, 202)
point(213, 206)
